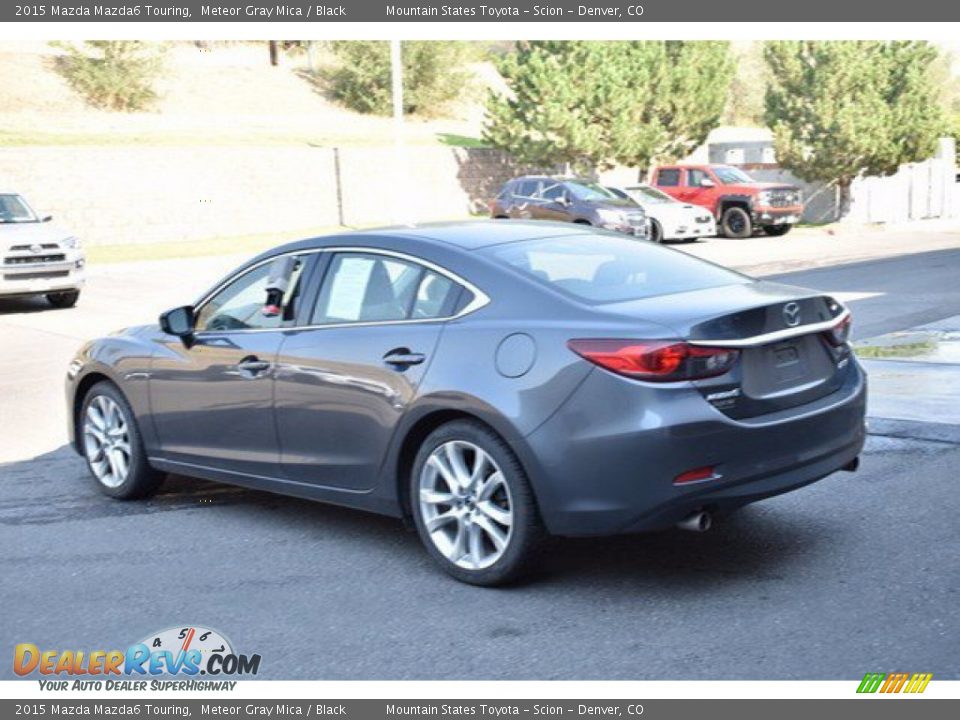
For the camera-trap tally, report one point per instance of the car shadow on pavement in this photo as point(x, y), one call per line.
point(22, 305)
point(751, 544)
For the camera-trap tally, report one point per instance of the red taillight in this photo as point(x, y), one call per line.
point(840, 333)
point(704, 473)
point(656, 360)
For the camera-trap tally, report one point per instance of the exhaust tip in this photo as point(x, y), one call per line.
point(699, 521)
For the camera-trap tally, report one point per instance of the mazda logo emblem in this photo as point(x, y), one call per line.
point(36, 249)
point(791, 314)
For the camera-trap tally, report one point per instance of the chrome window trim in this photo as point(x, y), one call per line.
point(777, 334)
point(480, 298)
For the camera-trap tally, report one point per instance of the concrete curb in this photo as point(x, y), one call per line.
point(914, 430)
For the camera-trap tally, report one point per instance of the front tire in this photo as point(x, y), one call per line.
point(63, 299)
point(736, 223)
point(656, 232)
point(112, 445)
point(473, 506)
point(776, 230)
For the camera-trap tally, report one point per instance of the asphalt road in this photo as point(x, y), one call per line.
point(890, 294)
point(857, 573)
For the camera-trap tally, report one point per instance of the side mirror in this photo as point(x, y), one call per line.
point(46, 218)
point(563, 201)
point(178, 321)
point(707, 183)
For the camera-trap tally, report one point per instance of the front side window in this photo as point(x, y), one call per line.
point(14, 209)
point(553, 191)
point(366, 287)
point(607, 270)
point(240, 305)
point(696, 178)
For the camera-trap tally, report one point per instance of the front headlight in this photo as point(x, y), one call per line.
point(611, 217)
point(74, 368)
point(72, 242)
point(764, 198)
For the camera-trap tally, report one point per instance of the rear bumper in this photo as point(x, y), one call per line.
point(605, 462)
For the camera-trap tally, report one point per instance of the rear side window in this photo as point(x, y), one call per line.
point(668, 178)
point(367, 287)
point(605, 269)
point(435, 296)
point(526, 188)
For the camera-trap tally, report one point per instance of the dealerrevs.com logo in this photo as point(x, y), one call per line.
point(186, 652)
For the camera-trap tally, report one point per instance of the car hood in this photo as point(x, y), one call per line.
point(30, 233)
point(758, 186)
point(674, 212)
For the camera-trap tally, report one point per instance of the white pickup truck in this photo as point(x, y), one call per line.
point(36, 256)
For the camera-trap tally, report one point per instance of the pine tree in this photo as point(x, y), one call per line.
point(593, 105)
point(840, 109)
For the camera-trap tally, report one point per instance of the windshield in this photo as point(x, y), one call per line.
point(590, 191)
point(603, 269)
point(647, 194)
point(731, 175)
point(14, 209)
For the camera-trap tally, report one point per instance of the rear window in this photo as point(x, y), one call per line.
point(601, 269)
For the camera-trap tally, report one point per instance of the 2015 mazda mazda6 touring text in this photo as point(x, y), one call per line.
point(494, 383)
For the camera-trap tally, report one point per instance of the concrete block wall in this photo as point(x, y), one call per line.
point(124, 194)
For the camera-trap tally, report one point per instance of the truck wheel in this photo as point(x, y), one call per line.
point(776, 230)
point(736, 223)
point(63, 299)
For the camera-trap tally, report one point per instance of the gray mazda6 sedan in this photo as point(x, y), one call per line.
point(492, 383)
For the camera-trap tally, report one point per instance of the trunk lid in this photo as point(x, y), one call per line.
point(785, 358)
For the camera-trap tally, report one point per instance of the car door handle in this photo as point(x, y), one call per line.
point(253, 366)
point(403, 358)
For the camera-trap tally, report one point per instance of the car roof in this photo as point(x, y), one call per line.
point(468, 235)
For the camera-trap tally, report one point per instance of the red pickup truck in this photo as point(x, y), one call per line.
point(738, 202)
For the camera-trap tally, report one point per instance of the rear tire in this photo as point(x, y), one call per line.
point(63, 299)
point(776, 230)
point(736, 223)
point(473, 506)
point(112, 445)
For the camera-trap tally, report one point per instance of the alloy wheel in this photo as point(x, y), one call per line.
point(106, 441)
point(465, 505)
